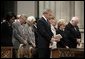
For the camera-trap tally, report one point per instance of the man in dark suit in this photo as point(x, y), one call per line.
point(74, 35)
point(44, 35)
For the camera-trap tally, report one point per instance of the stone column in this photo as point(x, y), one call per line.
point(79, 11)
point(41, 8)
point(47, 4)
point(58, 10)
point(26, 7)
point(72, 7)
point(65, 10)
point(52, 6)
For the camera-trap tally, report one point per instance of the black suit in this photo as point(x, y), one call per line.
point(35, 55)
point(6, 34)
point(73, 34)
point(64, 40)
point(44, 37)
point(35, 33)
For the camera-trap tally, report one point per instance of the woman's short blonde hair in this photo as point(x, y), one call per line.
point(52, 17)
point(31, 18)
point(61, 22)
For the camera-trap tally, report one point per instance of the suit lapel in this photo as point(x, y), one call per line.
point(47, 22)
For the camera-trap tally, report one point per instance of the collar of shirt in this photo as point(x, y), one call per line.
point(35, 26)
point(53, 30)
point(44, 17)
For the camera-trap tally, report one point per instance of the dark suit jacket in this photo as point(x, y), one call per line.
point(44, 33)
point(73, 34)
point(35, 33)
point(64, 40)
point(6, 34)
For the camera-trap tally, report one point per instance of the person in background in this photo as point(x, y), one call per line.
point(53, 24)
point(19, 33)
point(74, 35)
point(6, 29)
point(31, 28)
point(63, 43)
point(30, 22)
point(44, 35)
point(18, 16)
point(53, 21)
point(35, 53)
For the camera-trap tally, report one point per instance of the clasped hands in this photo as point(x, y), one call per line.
point(56, 38)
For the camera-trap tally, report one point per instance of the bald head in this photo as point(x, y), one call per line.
point(74, 21)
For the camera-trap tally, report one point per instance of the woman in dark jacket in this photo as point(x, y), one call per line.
point(63, 43)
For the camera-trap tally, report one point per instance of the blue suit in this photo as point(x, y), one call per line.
point(44, 37)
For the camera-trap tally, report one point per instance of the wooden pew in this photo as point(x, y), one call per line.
point(6, 52)
point(63, 52)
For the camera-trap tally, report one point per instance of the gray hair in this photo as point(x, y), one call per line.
point(23, 16)
point(31, 18)
point(47, 11)
point(61, 22)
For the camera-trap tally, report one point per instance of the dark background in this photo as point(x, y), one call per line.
point(8, 6)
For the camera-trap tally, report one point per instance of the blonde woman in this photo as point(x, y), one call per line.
point(55, 37)
point(63, 43)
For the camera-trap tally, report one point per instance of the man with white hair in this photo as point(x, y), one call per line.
point(29, 27)
point(73, 31)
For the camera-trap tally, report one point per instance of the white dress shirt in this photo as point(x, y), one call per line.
point(44, 17)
